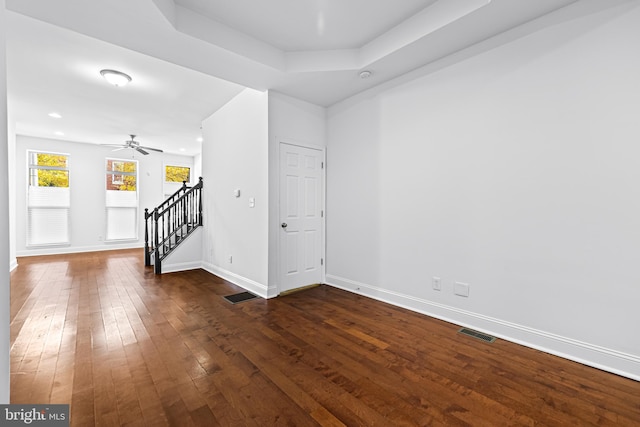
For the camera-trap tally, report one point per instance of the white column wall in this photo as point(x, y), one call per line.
point(516, 172)
point(235, 157)
point(4, 221)
point(11, 170)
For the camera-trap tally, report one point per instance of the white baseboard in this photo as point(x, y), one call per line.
point(248, 284)
point(272, 292)
point(13, 264)
point(624, 364)
point(58, 250)
point(181, 266)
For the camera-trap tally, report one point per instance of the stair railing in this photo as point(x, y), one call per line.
point(171, 222)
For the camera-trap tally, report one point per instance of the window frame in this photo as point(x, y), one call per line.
point(31, 166)
point(176, 165)
point(120, 179)
point(32, 207)
point(119, 174)
point(114, 181)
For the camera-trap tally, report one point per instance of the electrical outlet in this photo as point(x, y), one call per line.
point(461, 289)
point(435, 282)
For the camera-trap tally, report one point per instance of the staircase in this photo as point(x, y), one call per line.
point(170, 223)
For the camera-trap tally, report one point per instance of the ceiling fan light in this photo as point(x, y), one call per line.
point(116, 78)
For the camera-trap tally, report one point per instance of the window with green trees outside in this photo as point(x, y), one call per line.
point(121, 175)
point(177, 173)
point(48, 199)
point(121, 199)
point(48, 170)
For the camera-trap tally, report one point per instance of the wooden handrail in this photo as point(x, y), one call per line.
point(171, 197)
point(196, 187)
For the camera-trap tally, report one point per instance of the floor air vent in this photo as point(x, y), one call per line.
point(241, 297)
point(476, 335)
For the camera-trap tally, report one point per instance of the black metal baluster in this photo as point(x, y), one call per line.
point(200, 201)
point(147, 254)
point(164, 236)
point(188, 209)
point(184, 211)
point(157, 267)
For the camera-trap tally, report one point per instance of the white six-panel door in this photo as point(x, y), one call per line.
point(301, 223)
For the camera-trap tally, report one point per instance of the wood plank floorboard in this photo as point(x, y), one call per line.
point(125, 347)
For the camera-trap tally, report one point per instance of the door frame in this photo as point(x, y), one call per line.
point(276, 222)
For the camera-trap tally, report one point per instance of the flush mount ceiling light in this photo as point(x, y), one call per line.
point(365, 74)
point(116, 78)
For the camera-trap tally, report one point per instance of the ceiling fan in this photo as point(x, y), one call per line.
point(134, 145)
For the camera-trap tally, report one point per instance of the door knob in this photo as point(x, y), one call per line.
point(283, 225)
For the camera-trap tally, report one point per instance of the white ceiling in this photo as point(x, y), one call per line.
point(294, 25)
point(183, 54)
point(51, 69)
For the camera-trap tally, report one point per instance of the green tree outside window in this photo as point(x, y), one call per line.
point(48, 170)
point(121, 175)
point(177, 174)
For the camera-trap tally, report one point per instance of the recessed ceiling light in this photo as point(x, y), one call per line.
point(365, 74)
point(116, 78)
point(182, 149)
point(59, 133)
point(199, 139)
point(55, 115)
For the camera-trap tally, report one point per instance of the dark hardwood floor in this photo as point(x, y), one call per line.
point(125, 347)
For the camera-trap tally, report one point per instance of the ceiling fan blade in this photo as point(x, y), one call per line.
point(119, 148)
point(152, 149)
point(140, 150)
point(111, 145)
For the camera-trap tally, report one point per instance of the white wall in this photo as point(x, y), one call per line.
point(517, 172)
point(87, 182)
point(234, 156)
point(4, 221)
point(197, 167)
point(11, 170)
point(295, 122)
point(187, 256)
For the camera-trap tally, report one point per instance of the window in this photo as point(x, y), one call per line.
point(122, 175)
point(122, 199)
point(117, 178)
point(48, 199)
point(177, 174)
